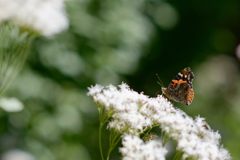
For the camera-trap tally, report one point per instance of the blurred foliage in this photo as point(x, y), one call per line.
point(14, 45)
point(113, 41)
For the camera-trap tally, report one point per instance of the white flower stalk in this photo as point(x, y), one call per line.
point(47, 17)
point(135, 148)
point(132, 112)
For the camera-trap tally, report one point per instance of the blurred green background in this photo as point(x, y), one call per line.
point(113, 41)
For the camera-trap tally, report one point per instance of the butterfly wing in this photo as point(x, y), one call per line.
point(180, 89)
point(185, 75)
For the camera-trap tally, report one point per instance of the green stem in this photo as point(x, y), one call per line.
point(100, 140)
point(102, 121)
point(178, 155)
point(114, 138)
point(109, 152)
point(164, 138)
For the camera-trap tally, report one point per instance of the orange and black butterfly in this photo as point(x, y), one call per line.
point(180, 88)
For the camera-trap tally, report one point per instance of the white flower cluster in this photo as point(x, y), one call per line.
point(194, 137)
point(46, 16)
point(132, 112)
point(124, 105)
point(135, 148)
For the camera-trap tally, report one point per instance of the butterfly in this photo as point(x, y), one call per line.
point(180, 89)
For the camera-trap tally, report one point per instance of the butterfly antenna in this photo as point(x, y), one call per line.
point(159, 81)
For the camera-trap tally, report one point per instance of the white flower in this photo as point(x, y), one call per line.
point(46, 16)
point(133, 112)
point(135, 148)
point(11, 104)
